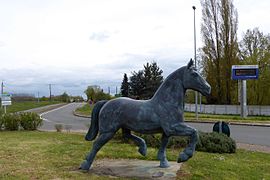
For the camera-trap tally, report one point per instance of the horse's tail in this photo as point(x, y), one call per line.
point(93, 130)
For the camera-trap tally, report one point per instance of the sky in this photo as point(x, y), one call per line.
point(72, 44)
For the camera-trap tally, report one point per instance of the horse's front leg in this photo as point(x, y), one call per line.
point(182, 129)
point(162, 151)
point(139, 141)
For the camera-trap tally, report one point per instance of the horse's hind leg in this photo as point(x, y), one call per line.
point(162, 151)
point(138, 141)
point(185, 130)
point(101, 140)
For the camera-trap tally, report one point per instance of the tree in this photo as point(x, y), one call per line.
point(125, 86)
point(91, 92)
point(220, 47)
point(95, 93)
point(136, 84)
point(64, 97)
point(144, 83)
point(255, 49)
point(152, 79)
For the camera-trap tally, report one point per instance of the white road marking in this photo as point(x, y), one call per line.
point(54, 110)
point(47, 120)
point(44, 119)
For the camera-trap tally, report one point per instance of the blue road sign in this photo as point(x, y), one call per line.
point(243, 72)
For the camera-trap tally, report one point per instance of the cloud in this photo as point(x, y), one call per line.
point(99, 36)
point(2, 44)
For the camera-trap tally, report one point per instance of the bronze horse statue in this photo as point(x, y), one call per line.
point(163, 113)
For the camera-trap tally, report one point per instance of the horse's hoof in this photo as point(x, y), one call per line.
point(182, 157)
point(164, 164)
point(85, 166)
point(143, 150)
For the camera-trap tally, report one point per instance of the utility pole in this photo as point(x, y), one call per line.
point(38, 96)
point(116, 90)
point(2, 91)
point(195, 58)
point(109, 90)
point(50, 89)
point(2, 87)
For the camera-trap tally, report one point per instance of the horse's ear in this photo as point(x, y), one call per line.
point(190, 64)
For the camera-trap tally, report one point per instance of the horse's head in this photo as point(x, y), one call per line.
point(193, 80)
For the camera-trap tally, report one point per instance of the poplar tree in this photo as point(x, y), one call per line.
point(220, 48)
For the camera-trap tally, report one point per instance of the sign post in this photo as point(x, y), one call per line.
point(242, 73)
point(243, 100)
point(5, 101)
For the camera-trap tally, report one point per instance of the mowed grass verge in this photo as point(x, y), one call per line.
point(25, 105)
point(228, 118)
point(51, 155)
point(86, 110)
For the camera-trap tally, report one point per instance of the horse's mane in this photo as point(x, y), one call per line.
point(171, 88)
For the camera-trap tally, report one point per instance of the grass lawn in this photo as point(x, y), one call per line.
point(51, 155)
point(228, 118)
point(21, 106)
point(86, 110)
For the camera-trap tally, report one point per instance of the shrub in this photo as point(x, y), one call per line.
point(174, 141)
point(11, 122)
point(58, 127)
point(68, 127)
point(216, 143)
point(152, 140)
point(1, 119)
point(178, 142)
point(1, 111)
point(208, 142)
point(30, 121)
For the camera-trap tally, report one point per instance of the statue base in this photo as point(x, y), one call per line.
point(133, 168)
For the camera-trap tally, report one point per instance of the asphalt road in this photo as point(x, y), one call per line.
point(243, 134)
point(64, 115)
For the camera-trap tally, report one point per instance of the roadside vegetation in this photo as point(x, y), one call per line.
point(19, 121)
point(51, 155)
point(25, 105)
point(228, 118)
point(86, 110)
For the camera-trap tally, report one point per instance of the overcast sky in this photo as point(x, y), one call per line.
point(75, 43)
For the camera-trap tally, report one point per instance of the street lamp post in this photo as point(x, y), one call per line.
point(195, 58)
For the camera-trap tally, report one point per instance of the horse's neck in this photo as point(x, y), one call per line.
point(171, 92)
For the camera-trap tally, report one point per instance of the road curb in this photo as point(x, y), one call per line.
point(80, 115)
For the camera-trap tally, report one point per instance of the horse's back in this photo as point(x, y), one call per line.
point(136, 115)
